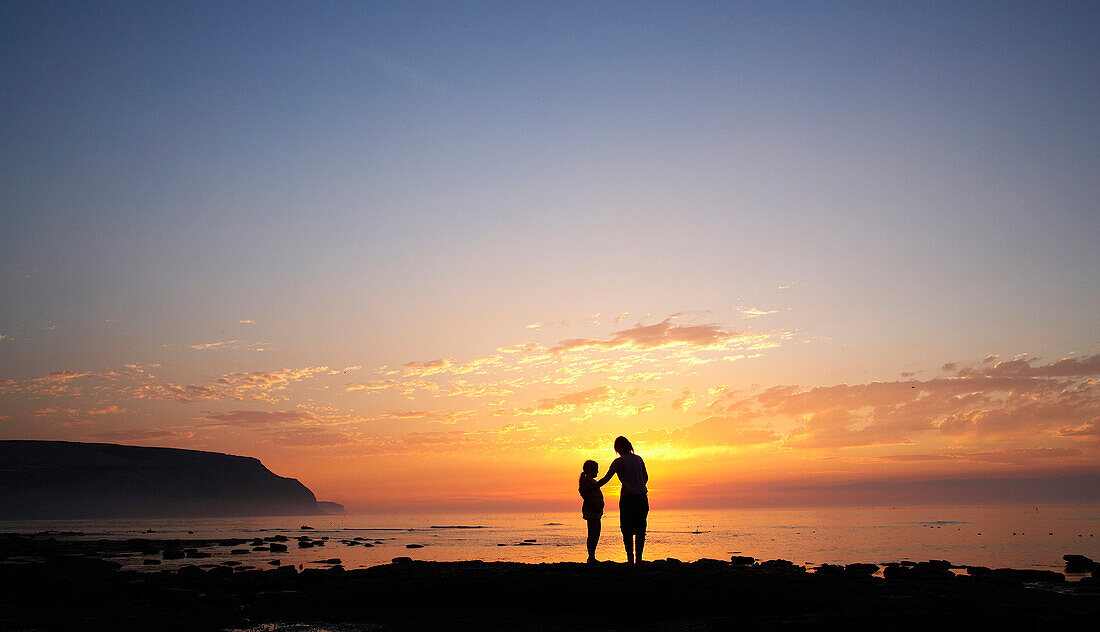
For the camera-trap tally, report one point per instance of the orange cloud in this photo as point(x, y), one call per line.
point(1011, 399)
point(663, 335)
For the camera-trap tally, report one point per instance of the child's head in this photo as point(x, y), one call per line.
point(590, 468)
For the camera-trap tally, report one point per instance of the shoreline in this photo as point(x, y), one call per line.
point(66, 584)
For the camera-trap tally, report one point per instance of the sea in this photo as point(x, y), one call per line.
point(1023, 537)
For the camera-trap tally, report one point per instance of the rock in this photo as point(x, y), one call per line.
point(306, 527)
point(274, 562)
point(531, 540)
point(781, 566)
point(305, 544)
point(861, 569)
point(978, 571)
point(742, 560)
point(368, 544)
point(414, 546)
point(172, 554)
point(932, 570)
point(195, 554)
point(401, 560)
point(1079, 564)
point(276, 538)
point(1029, 575)
point(278, 548)
point(895, 571)
point(332, 560)
point(190, 571)
point(239, 552)
point(149, 562)
point(232, 542)
point(231, 563)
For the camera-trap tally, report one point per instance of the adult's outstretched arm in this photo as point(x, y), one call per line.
point(607, 477)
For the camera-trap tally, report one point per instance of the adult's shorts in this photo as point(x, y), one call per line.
point(633, 511)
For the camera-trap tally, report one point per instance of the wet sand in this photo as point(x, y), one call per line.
point(54, 583)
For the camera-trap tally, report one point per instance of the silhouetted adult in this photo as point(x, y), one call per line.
point(633, 499)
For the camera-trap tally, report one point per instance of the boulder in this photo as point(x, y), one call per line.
point(781, 566)
point(1029, 575)
point(190, 571)
point(742, 560)
point(278, 548)
point(1079, 564)
point(932, 570)
point(401, 560)
point(978, 571)
point(220, 571)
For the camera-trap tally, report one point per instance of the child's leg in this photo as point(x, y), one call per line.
point(593, 537)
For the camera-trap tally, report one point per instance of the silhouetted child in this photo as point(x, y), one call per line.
point(592, 509)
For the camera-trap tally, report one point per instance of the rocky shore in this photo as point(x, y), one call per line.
point(57, 584)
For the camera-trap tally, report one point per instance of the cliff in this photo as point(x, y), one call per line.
point(65, 480)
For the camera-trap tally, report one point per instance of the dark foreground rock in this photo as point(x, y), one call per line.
point(63, 591)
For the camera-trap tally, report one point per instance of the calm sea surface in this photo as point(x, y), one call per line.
point(999, 536)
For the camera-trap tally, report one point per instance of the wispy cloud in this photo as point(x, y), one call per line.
point(225, 344)
point(590, 402)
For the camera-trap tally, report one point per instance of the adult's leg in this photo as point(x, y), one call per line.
point(643, 515)
point(628, 542)
point(593, 537)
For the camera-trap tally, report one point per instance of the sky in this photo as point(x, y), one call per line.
point(428, 256)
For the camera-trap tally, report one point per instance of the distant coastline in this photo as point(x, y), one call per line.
point(52, 480)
